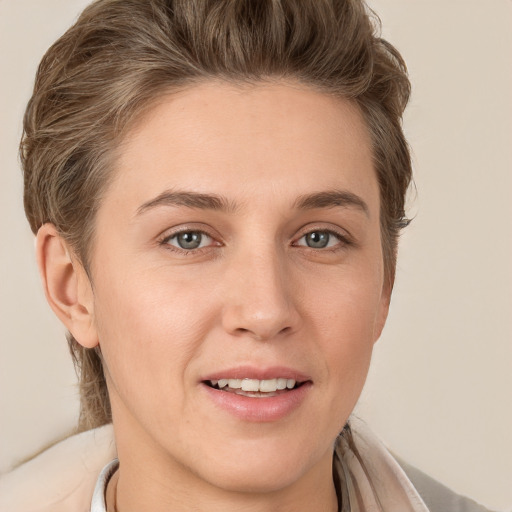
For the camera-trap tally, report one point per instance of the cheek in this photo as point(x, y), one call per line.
point(345, 321)
point(149, 330)
point(350, 304)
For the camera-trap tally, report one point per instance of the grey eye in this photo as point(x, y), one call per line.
point(189, 240)
point(317, 239)
point(320, 239)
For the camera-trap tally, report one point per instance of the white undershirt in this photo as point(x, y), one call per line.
point(98, 498)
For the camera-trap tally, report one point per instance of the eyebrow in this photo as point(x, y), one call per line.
point(331, 199)
point(324, 199)
point(189, 200)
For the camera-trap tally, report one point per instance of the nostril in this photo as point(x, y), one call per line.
point(262, 334)
point(259, 321)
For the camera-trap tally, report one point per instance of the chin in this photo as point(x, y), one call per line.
point(269, 477)
point(262, 466)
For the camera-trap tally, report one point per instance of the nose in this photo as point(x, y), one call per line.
point(260, 297)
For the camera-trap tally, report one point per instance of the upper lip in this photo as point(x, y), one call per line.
point(252, 372)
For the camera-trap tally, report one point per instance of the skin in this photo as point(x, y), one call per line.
point(253, 293)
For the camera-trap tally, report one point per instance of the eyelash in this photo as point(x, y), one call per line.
point(165, 241)
point(343, 241)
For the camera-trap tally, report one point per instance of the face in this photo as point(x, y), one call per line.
point(238, 282)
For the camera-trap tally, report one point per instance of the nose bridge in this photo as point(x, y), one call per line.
point(259, 300)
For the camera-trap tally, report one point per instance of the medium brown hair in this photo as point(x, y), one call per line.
point(121, 55)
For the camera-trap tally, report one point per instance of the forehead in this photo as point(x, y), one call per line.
point(216, 135)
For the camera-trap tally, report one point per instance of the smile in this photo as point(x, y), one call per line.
point(253, 387)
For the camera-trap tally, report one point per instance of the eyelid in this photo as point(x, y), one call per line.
point(345, 239)
point(168, 234)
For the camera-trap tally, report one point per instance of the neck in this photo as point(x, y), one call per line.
point(130, 491)
point(153, 482)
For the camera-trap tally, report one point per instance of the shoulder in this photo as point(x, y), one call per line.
point(390, 480)
point(436, 496)
point(61, 478)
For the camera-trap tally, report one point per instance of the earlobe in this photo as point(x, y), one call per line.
point(66, 285)
point(382, 314)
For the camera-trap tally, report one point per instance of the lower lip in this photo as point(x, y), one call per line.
point(259, 410)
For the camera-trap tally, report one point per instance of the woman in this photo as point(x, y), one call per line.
point(217, 191)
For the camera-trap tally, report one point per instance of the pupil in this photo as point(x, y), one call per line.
point(317, 239)
point(189, 240)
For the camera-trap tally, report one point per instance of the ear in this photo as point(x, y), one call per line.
point(66, 285)
point(382, 314)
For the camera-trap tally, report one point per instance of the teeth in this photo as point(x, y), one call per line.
point(254, 385)
point(250, 385)
point(267, 386)
point(235, 383)
point(281, 383)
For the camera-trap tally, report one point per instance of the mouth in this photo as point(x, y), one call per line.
point(258, 395)
point(255, 388)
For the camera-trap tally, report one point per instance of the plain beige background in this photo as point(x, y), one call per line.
point(440, 387)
